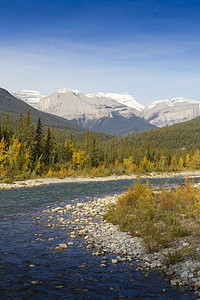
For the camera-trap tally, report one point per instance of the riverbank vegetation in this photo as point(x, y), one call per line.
point(159, 217)
point(28, 151)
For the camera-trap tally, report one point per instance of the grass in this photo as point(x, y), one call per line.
point(158, 217)
point(174, 256)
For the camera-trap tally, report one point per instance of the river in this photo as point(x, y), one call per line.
point(30, 267)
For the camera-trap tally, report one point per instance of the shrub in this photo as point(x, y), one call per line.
point(156, 217)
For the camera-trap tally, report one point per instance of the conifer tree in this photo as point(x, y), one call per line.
point(60, 150)
point(26, 129)
point(7, 130)
point(38, 141)
point(47, 147)
point(20, 128)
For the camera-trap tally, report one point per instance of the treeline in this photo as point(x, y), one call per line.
point(27, 151)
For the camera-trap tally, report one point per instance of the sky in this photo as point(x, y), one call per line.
point(147, 48)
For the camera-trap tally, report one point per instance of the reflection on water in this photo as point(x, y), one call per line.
point(31, 269)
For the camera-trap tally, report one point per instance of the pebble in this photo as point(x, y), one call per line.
point(184, 274)
point(104, 238)
point(35, 282)
point(62, 246)
point(114, 261)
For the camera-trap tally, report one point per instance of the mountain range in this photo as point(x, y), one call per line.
point(117, 114)
point(98, 112)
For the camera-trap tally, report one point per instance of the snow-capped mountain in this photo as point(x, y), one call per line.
point(167, 112)
point(125, 99)
point(98, 113)
point(29, 96)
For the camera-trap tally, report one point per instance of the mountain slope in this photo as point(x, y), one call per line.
point(13, 106)
point(98, 113)
point(30, 97)
point(167, 112)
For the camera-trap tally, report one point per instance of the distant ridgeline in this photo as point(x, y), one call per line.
point(98, 112)
point(116, 114)
point(13, 106)
point(27, 149)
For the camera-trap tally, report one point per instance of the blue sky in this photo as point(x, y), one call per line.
point(149, 48)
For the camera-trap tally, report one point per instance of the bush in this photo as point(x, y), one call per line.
point(158, 217)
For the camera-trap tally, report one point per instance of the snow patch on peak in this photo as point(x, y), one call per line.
point(170, 102)
point(124, 99)
point(99, 95)
point(165, 102)
point(67, 90)
point(182, 99)
point(29, 96)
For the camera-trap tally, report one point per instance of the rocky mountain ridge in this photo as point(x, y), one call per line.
point(91, 110)
point(168, 112)
point(98, 113)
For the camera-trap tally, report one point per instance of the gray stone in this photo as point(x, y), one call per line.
point(62, 246)
point(114, 261)
point(185, 244)
point(89, 247)
point(197, 284)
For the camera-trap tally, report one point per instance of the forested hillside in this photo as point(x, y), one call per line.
point(27, 150)
point(13, 106)
point(183, 135)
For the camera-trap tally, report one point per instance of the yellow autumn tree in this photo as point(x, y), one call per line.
point(79, 159)
point(173, 163)
point(195, 160)
point(127, 162)
point(3, 155)
point(144, 164)
point(187, 160)
point(180, 163)
point(13, 153)
point(39, 166)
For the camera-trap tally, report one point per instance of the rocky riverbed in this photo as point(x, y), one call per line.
point(102, 238)
point(50, 180)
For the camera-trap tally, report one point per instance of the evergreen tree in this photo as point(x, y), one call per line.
point(93, 153)
point(60, 150)
point(28, 130)
point(38, 142)
point(20, 128)
point(49, 156)
point(7, 130)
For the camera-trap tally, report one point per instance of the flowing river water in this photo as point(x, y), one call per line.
point(30, 267)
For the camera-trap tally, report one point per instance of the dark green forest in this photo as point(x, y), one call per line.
point(29, 149)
